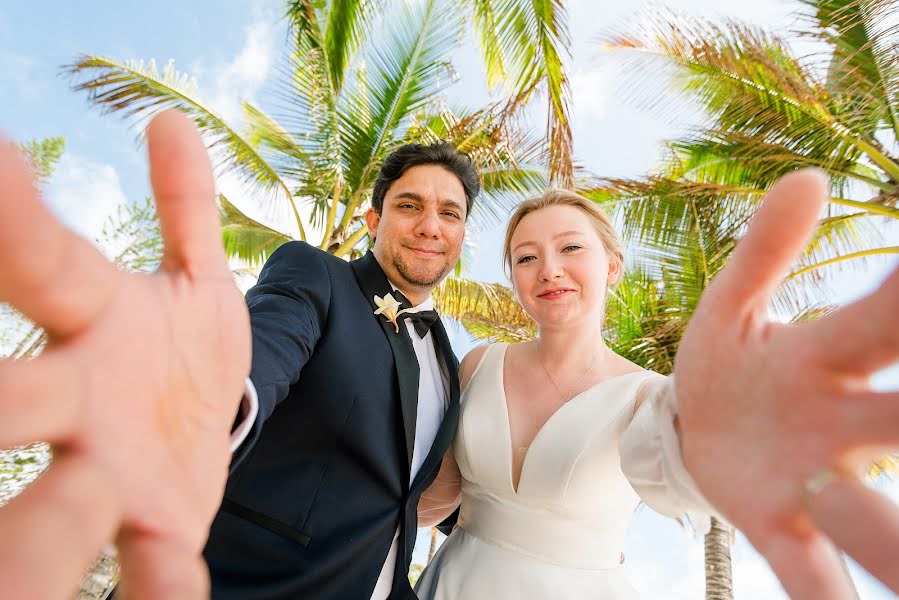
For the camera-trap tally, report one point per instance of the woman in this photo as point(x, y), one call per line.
point(555, 434)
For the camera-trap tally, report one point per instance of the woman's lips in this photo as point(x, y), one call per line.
point(555, 293)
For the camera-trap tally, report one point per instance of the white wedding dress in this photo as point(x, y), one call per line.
point(561, 533)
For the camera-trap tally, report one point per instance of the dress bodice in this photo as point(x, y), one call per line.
point(561, 533)
point(573, 502)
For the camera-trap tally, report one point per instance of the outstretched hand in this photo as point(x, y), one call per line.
point(137, 390)
point(778, 420)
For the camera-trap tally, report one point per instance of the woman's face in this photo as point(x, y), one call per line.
point(560, 268)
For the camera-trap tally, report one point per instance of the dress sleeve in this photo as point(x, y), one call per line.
point(651, 458)
point(443, 495)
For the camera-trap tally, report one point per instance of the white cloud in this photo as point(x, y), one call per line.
point(243, 76)
point(83, 193)
point(590, 91)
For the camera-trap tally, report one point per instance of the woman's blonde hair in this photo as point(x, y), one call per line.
point(556, 197)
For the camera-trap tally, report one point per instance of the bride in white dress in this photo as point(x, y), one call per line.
point(560, 438)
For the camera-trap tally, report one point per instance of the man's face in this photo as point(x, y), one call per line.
point(419, 233)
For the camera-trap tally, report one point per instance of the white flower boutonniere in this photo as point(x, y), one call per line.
point(387, 306)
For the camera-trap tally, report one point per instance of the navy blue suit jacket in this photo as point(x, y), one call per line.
point(321, 484)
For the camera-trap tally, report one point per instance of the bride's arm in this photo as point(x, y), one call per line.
point(651, 457)
point(444, 494)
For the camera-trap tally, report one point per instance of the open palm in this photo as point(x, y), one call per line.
point(765, 406)
point(137, 391)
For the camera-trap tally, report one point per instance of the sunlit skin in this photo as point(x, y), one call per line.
point(560, 272)
point(419, 232)
point(561, 269)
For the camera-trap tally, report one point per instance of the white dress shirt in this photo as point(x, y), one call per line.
point(433, 394)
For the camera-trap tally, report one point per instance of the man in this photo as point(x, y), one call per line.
point(138, 393)
point(355, 411)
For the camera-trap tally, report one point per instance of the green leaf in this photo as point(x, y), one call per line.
point(245, 238)
point(43, 155)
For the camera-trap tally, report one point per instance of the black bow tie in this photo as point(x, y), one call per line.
point(422, 320)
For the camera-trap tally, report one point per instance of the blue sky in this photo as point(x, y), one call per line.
point(232, 49)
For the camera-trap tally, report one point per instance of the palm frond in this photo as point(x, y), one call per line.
point(863, 74)
point(330, 33)
point(278, 146)
point(487, 311)
point(131, 237)
point(347, 20)
point(139, 90)
point(747, 81)
point(43, 154)
point(526, 42)
point(811, 313)
point(245, 238)
point(405, 69)
point(743, 160)
point(641, 325)
point(508, 158)
point(659, 209)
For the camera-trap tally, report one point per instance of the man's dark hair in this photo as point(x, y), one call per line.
point(442, 154)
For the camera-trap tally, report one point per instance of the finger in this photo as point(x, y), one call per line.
point(778, 232)
point(46, 271)
point(863, 523)
point(808, 566)
point(40, 399)
point(862, 337)
point(870, 419)
point(54, 529)
point(185, 196)
point(157, 568)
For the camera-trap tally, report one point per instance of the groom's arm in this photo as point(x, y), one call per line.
point(288, 307)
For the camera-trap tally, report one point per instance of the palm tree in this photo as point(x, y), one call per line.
point(359, 82)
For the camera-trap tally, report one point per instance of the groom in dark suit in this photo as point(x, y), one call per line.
point(355, 409)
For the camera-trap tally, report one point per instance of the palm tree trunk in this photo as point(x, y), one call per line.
point(718, 576)
point(433, 549)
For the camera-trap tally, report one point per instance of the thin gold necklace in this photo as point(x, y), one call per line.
point(577, 382)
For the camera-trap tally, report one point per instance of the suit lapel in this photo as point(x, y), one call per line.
point(372, 281)
point(448, 426)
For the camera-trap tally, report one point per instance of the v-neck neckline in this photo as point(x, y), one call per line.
point(504, 401)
